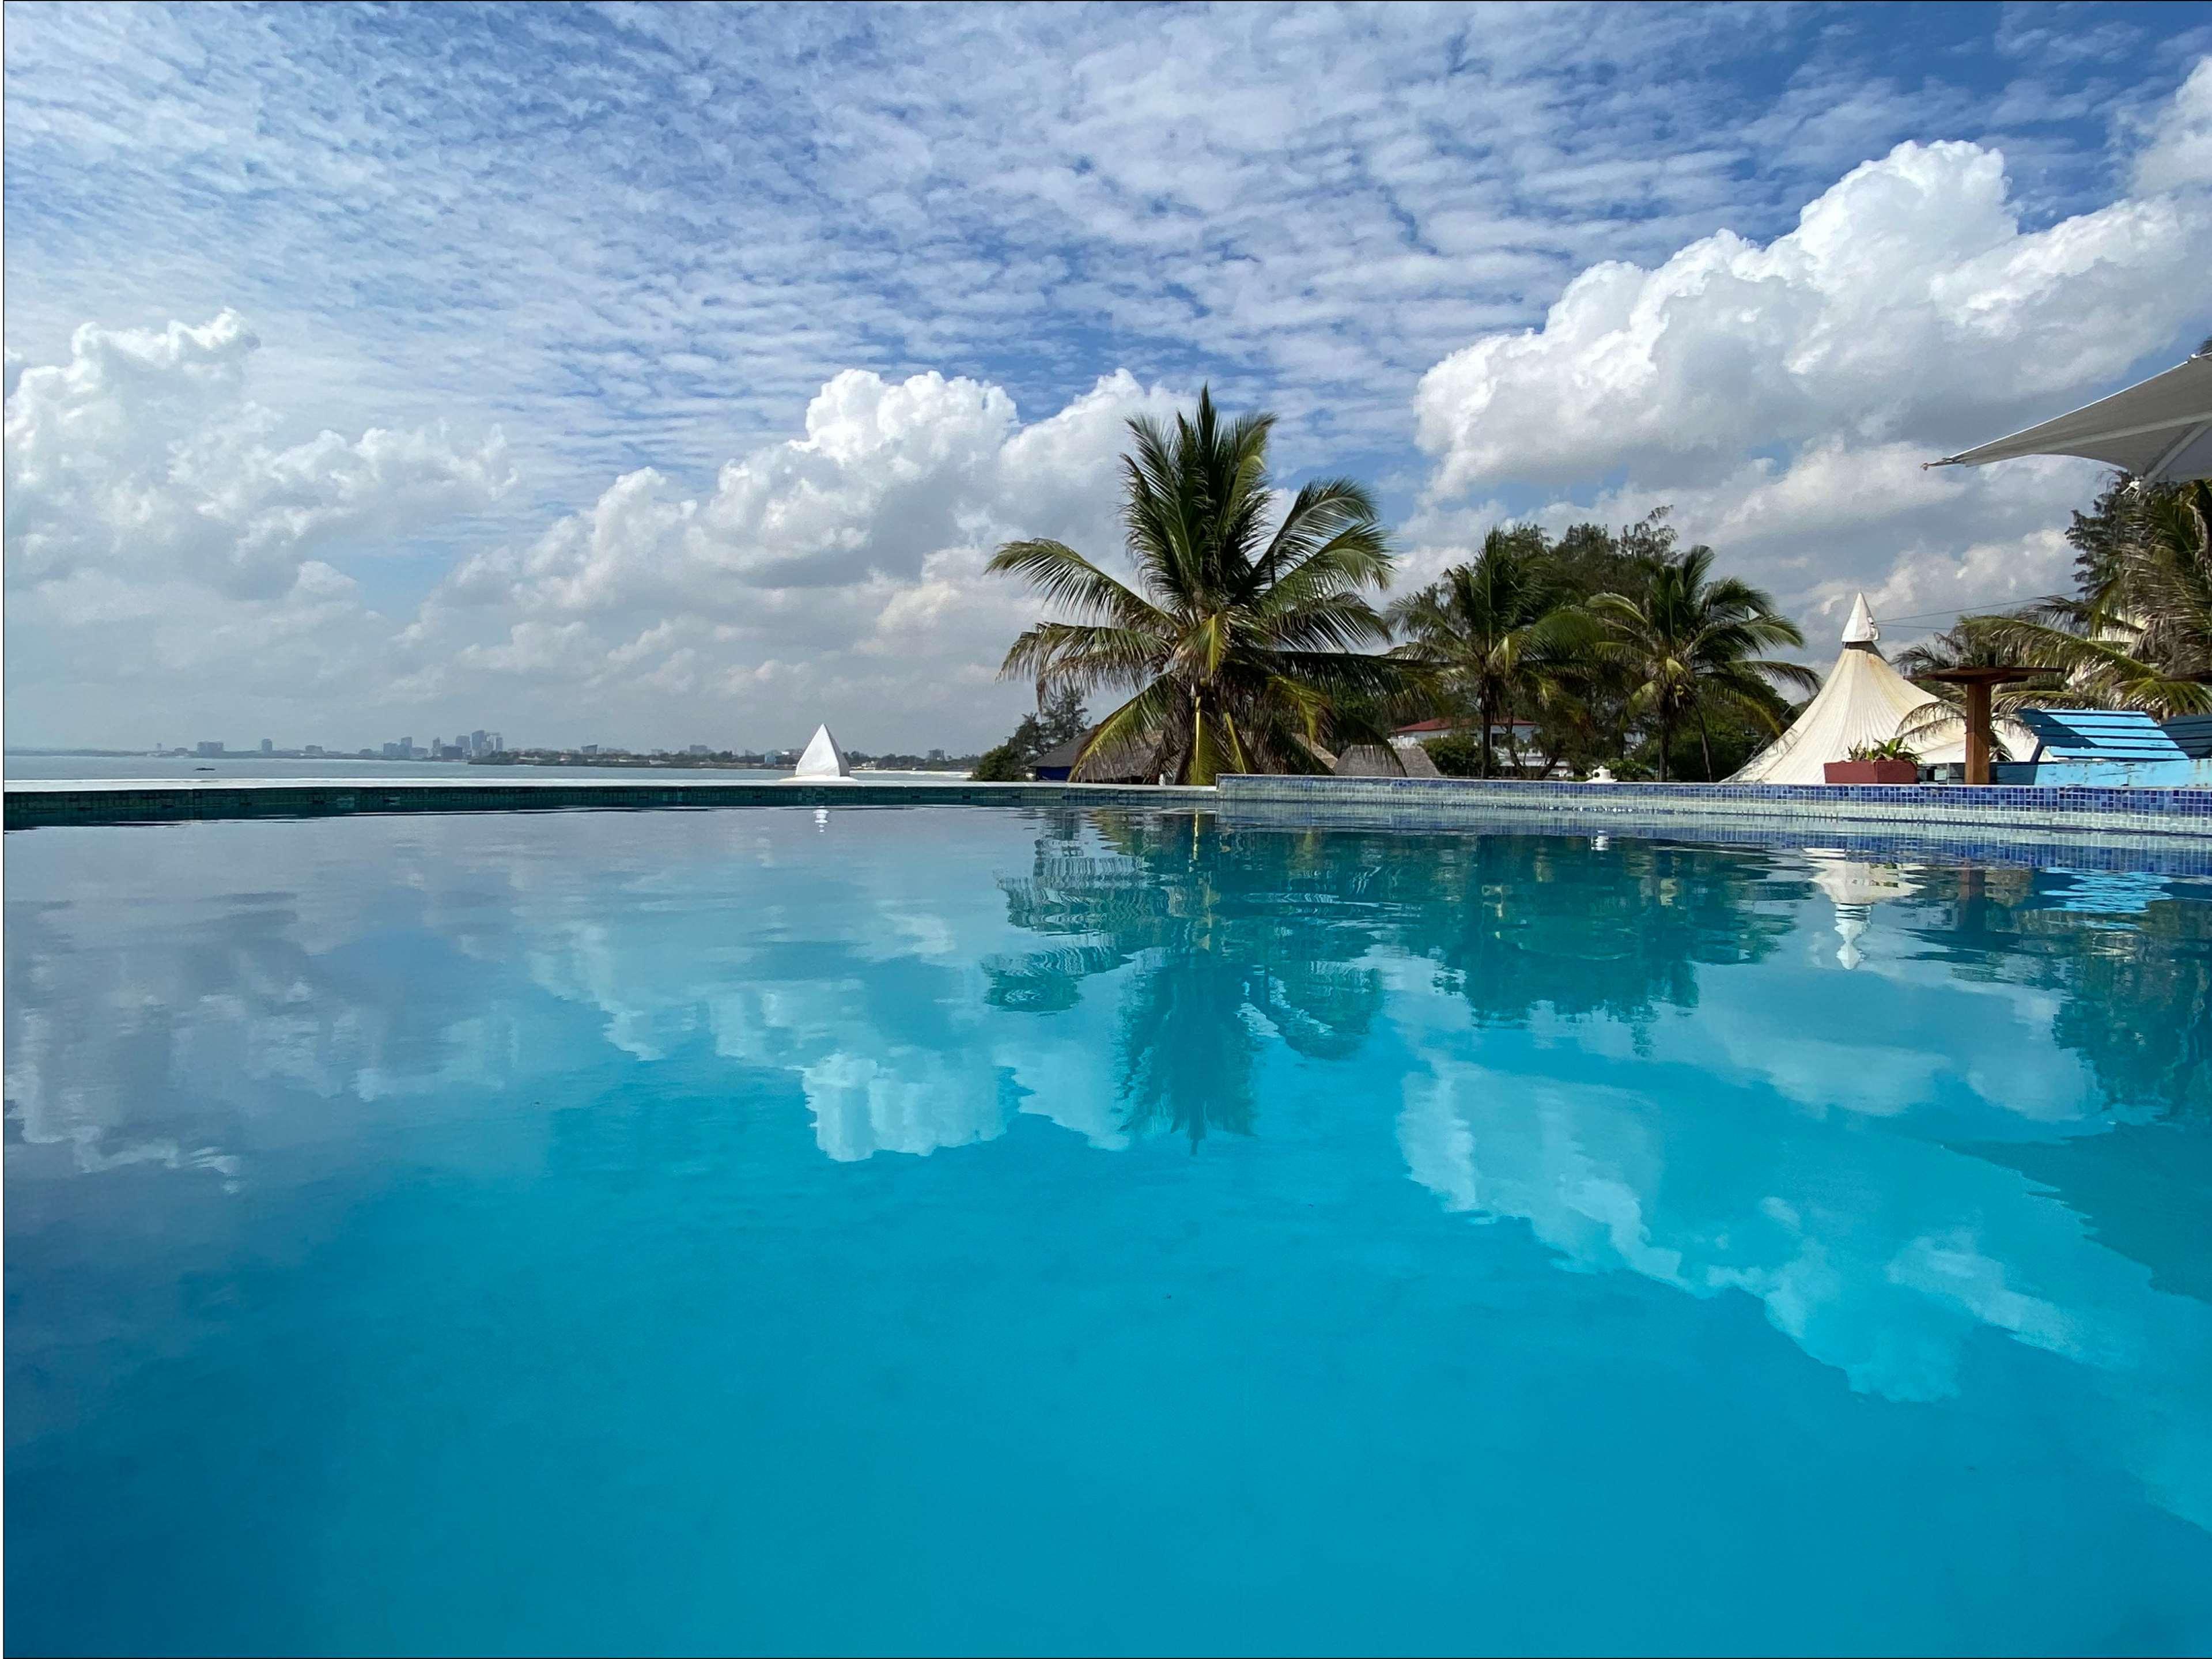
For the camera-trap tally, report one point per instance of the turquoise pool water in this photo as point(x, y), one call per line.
point(978, 1230)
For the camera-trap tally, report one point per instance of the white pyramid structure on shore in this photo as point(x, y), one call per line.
point(1863, 700)
point(822, 762)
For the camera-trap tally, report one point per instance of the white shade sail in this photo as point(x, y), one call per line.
point(2159, 429)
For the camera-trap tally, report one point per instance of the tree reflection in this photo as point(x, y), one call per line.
point(1239, 935)
point(1519, 923)
point(1232, 937)
point(2163, 963)
point(2129, 958)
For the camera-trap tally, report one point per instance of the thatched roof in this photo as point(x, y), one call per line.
point(1369, 760)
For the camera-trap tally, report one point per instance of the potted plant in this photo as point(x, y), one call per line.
point(1891, 762)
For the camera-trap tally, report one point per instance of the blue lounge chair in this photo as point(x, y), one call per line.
point(2111, 748)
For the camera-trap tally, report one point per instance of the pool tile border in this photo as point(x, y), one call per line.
point(2060, 849)
point(1993, 812)
point(2075, 810)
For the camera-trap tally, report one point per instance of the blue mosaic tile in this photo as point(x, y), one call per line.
point(2002, 809)
point(2076, 808)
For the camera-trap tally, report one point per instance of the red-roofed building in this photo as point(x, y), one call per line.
point(1506, 736)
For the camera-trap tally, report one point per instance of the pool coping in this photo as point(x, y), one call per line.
point(1924, 810)
point(33, 803)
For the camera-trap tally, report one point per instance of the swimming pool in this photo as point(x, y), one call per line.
point(995, 1229)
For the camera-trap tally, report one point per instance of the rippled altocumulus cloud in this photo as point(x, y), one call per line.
point(615, 381)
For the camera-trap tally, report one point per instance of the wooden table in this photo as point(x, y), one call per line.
point(1978, 682)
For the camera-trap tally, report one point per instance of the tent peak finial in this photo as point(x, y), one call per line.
point(1860, 629)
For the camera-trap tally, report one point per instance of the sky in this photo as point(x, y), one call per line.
point(663, 375)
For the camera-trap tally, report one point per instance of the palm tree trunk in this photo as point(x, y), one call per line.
point(1487, 708)
point(1705, 742)
point(1666, 742)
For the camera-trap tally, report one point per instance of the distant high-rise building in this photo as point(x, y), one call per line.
point(479, 743)
point(498, 743)
point(268, 745)
point(591, 749)
point(209, 748)
point(312, 749)
point(701, 749)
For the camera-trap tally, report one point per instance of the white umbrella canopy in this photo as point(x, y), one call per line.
point(2159, 429)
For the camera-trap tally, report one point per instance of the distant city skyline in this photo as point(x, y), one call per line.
point(480, 740)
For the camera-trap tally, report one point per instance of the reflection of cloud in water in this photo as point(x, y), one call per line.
point(1879, 1254)
point(136, 1053)
point(1901, 1033)
point(2107, 892)
point(899, 1100)
point(868, 993)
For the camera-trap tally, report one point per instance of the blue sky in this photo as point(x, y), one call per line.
point(679, 364)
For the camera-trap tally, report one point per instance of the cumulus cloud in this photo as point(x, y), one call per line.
point(881, 478)
point(2179, 152)
point(144, 456)
point(158, 535)
point(1908, 303)
point(1835, 519)
point(823, 573)
point(1783, 397)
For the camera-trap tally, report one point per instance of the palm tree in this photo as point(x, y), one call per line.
point(1943, 716)
point(1690, 642)
point(1502, 630)
point(1242, 648)
point(1223, 936)
point(2141, 636)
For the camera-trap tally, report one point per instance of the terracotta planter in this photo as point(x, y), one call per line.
point(1872, 771)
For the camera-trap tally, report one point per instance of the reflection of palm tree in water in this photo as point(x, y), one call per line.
point(2133, 971)
point(1521, 922)
point(1263, 931)
point(1232, 937)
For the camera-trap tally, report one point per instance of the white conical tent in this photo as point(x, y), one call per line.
point(1863, 700)
point(822, 762)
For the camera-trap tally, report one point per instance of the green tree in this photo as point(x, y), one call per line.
point(1690, 643)
point(1943, 715)
point(1502, 632)
point(2139, 633)
point(1592, 724)
point(1059, 718)
point(1243, 648)
point(1004, 764)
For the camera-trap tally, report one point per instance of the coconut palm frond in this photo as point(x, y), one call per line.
point(2138, 636)
point(1501, 632)
point(1238, 642)
point(1066, 579)
point(1688, 639)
